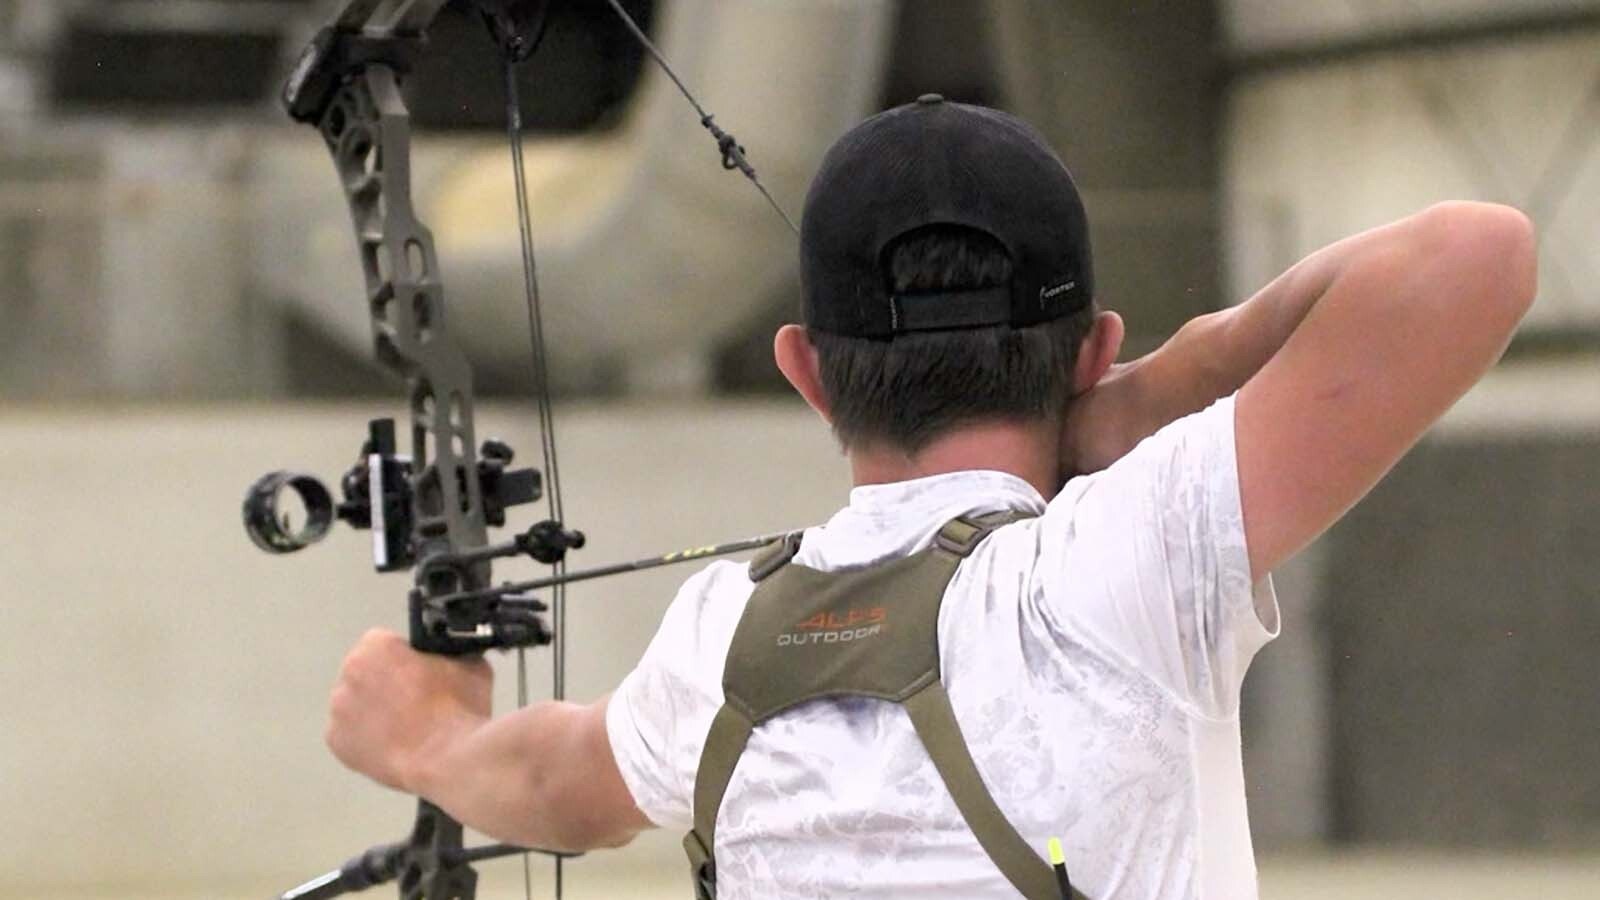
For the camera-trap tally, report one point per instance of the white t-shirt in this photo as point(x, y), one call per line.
point(1093, 656)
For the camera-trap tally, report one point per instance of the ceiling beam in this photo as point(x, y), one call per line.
point(1414, 39)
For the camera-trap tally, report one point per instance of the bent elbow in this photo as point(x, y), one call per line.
point(1496, 244)
point(585, 833)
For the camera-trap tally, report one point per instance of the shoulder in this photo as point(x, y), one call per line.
point(1173, 469)
point(703, 615)
point(680, 674)
point(1198, 439)
point(716, 584)
point(1145, 530)
point(687, 653)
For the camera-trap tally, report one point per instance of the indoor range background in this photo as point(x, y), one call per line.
point(181, 310)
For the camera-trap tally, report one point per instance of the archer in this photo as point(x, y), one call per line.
point(1033, 617)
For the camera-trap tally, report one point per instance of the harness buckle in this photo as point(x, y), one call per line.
point(962, 535)
point(776, 556)
point(705, 881)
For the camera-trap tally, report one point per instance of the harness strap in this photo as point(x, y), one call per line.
point(935, 722)
point(725, 742)
point(923, 697)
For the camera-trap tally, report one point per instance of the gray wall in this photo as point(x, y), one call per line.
point(1463, 612)
point(1434, 684)
point(1129, 94)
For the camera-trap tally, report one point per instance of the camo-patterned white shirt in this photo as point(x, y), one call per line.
point(1093, 656)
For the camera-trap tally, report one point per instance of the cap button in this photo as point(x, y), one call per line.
point(930, 99)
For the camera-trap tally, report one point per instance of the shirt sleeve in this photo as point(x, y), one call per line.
point(658, 718)
point(1148, 558)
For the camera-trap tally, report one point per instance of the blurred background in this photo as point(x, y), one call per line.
point(181, 310)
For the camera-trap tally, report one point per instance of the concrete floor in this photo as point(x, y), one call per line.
point(1350, 876)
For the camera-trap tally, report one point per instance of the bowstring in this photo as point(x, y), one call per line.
point(733, 153)
point(733, 159)
point(539, 360)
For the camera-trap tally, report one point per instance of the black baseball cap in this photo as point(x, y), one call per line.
point(933, 162)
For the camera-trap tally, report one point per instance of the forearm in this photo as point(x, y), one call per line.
point(1251, 333)
point(1212, 356)
point(531, 777)
point(1402, 333)
point(1217, 353)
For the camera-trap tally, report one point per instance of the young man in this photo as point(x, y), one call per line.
point(1091, 644)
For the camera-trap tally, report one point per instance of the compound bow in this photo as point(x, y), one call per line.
point(429, 511)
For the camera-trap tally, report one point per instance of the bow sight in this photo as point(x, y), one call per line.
point(382, 493)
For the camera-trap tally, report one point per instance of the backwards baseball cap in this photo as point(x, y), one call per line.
point(933, 162)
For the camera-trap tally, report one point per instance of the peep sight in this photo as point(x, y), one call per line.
point(272, 527)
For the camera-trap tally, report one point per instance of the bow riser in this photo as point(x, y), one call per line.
point(368, 132)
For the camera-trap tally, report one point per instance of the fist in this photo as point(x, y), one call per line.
point(394, 710)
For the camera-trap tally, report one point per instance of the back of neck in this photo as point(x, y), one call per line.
point(1030, 451)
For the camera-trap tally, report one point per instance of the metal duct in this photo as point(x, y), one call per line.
point(1273, 26)
point(649, 252)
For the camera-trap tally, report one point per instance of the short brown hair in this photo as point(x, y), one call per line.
point(905, 392)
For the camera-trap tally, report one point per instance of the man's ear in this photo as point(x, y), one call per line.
point(797, 360)
point(1098, 351)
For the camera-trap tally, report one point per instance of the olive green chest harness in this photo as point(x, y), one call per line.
point(808, 634)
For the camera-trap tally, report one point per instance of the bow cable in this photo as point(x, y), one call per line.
point(539, 362)
point(732, 152)
point(733, 158)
